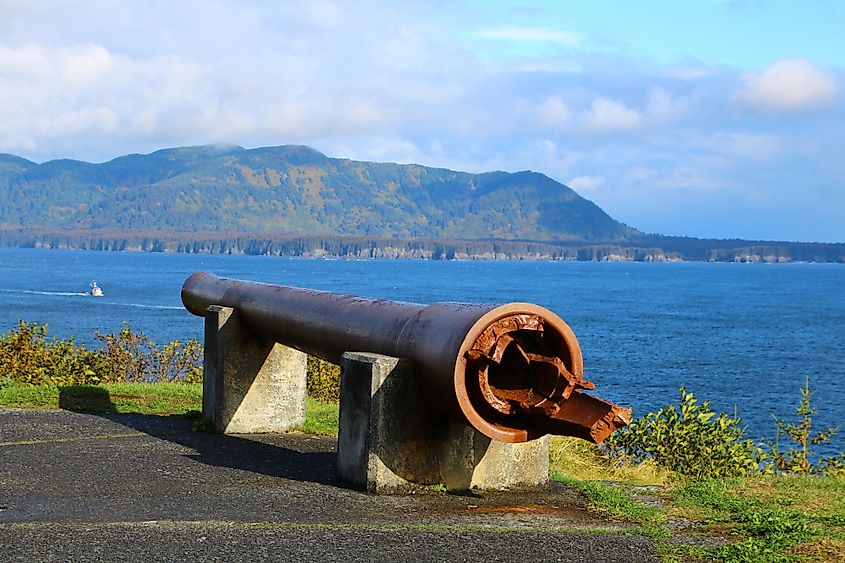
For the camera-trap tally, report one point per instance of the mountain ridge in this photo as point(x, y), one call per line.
point(294, 189)
point(295, 200)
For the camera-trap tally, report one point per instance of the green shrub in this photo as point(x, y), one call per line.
point(28, 356)
point(797, 458)
point(691, 441)
point(131, 357)
point(323, 380)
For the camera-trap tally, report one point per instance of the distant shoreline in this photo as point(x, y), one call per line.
point(653, 248)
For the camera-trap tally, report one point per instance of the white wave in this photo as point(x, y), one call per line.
point(30, 291)
point(144, 306)
point(98, 300)
point(141, 305)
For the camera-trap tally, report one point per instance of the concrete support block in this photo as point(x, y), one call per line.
point(390, 439)
point(250, 385)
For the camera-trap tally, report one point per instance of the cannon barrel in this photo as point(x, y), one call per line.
point(514, 372)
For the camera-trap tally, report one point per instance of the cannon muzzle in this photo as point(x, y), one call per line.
point(514, 372)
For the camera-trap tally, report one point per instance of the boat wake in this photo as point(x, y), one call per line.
point(145, 306)
point(84, 294)
point(33, 292)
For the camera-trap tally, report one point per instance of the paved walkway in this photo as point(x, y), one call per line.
point(77, 487)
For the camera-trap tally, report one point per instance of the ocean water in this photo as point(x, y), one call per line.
point(743, 336)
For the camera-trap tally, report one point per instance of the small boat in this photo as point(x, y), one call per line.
point(95, 291)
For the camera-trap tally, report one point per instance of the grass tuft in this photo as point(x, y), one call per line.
point(615, 503)
point(774, 526)
point(582, 460)
point(320, 418)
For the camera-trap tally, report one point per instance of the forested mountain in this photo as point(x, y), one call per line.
point(293, 190)
point(295, 201)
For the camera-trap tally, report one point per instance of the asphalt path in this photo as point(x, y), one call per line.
point(80, 487)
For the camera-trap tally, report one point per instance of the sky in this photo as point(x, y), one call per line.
point(707, 118)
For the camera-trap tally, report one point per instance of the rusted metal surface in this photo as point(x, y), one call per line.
point(514, 372)
point(519, 373)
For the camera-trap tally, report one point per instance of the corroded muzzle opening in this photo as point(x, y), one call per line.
point(523, 375)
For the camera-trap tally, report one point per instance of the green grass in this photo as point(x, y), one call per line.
point(320, 418)
point(29, 397)
point(615, 503)
point(772, 518)
point(144, 398)
point(763, 518)
point(821, 496)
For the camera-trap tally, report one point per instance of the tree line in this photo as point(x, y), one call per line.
point(648, 249)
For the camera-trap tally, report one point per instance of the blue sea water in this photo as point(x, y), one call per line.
point(743, 336)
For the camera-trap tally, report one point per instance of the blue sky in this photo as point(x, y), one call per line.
point(742, 34)
point(709, 118)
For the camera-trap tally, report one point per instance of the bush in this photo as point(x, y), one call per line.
point(323, 380)
point(131, 357)
point(797, 458)
point(691, 441)
point(28, 356)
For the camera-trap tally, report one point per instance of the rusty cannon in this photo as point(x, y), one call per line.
point(513, 372)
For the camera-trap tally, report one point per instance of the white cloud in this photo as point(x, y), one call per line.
point(611, 115)
point(554, 112)
point(584, 184)
point(24, 62)
point(76, 95)
point(86, 120)
point(532, 34)
point(263, 73)
point(663, 104)
point(788, 85)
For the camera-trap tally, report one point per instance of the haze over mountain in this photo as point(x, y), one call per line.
point(293, 190)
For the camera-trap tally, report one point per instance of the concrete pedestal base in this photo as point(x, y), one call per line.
point(390, 439)
point(249, 385)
